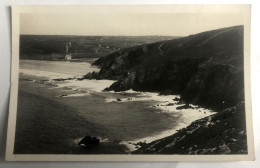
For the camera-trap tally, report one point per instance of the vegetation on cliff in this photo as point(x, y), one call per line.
point(204, 69)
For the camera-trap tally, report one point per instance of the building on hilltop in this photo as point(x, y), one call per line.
point(68, 55)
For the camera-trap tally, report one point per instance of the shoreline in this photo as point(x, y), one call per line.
point(169, 106)
point(162, 105)
point(215, 134)
point(79, 60)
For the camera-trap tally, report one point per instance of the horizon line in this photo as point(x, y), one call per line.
point(130, 35)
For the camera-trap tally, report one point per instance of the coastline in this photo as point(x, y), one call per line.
point(167, 104)
point(162, 110)
point(215, 134)
point(125, 130)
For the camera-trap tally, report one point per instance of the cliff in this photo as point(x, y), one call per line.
point(205, 69)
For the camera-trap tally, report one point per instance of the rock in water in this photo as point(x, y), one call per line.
point(186, 106)
point(176, 99)
point(89, 141)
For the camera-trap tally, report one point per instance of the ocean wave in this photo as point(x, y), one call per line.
point(165, 104)
point(50, 75)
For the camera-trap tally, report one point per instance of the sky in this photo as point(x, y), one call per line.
point(124, 24)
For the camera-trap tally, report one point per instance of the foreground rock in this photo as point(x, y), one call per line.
point(221, 133)
point(89, 142)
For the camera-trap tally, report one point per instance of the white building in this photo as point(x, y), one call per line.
point(68, 57)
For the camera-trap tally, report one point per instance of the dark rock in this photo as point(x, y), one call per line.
point(176, 99)
point(141, 144)
point(80, 79)
point(89, 141)
point(60, 79)
point(118, 99)
point(25, 79)
point(63, 95)
point(92, 75)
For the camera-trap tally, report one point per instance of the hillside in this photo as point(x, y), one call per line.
point(52, 47)
point(221, 133)
point(205, 68)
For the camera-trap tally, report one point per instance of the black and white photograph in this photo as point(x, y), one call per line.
point(132, 81)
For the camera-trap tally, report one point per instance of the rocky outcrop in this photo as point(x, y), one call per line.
point(89, 142)
point(221, 133)
point(210, 85)
point(170, 78)
point(215, 86)
point(115, 66)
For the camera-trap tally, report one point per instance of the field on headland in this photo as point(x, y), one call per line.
point(52, 47)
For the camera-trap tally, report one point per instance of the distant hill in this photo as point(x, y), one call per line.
point(52, 47)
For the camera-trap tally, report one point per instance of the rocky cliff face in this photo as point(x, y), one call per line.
point(215, 86)
point(169, 78)
point(205, 69)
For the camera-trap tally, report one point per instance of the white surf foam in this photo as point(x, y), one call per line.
point(165, 104)
point(144, 96)
point(86, 85)
point(50, 75)
point(74, 84)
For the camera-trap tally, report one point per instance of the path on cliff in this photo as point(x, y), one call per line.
point(212, 37)
point(160, 48)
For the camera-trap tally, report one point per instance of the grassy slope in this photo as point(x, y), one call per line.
point(225, 45)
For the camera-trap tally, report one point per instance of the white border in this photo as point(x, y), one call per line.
point(17, 10)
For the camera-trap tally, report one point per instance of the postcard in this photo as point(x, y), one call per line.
point(130, 83)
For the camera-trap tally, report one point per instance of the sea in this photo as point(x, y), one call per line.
point(128, 117)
